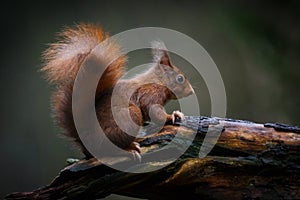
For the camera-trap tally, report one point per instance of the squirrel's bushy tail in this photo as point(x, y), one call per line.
point(62, 61)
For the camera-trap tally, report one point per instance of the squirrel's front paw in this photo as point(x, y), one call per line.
point(176, 116)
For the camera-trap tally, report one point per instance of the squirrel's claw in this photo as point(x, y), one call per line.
point(136, 156)
point(177, 114)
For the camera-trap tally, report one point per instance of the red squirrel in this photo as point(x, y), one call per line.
point(62, 61)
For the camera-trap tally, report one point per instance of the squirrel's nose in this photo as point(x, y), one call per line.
point(191, 91)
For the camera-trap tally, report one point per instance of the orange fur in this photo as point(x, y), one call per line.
point(63, 60)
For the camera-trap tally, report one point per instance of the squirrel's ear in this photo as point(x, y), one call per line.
point(160, 53)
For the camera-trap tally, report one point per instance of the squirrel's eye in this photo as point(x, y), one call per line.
point(180, 78)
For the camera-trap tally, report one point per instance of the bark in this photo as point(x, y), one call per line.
point(249, 161)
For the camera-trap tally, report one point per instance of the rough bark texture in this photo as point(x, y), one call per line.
point(249, 161)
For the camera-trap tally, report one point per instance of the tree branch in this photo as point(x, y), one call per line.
point(249, 160)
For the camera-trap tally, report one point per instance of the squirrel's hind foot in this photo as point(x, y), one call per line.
point(135, 151)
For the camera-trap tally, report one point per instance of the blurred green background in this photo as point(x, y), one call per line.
point(255, 44)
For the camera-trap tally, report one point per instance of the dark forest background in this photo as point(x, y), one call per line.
point(255, 44)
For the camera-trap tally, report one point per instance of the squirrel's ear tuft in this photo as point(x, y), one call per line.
point(160, 53)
